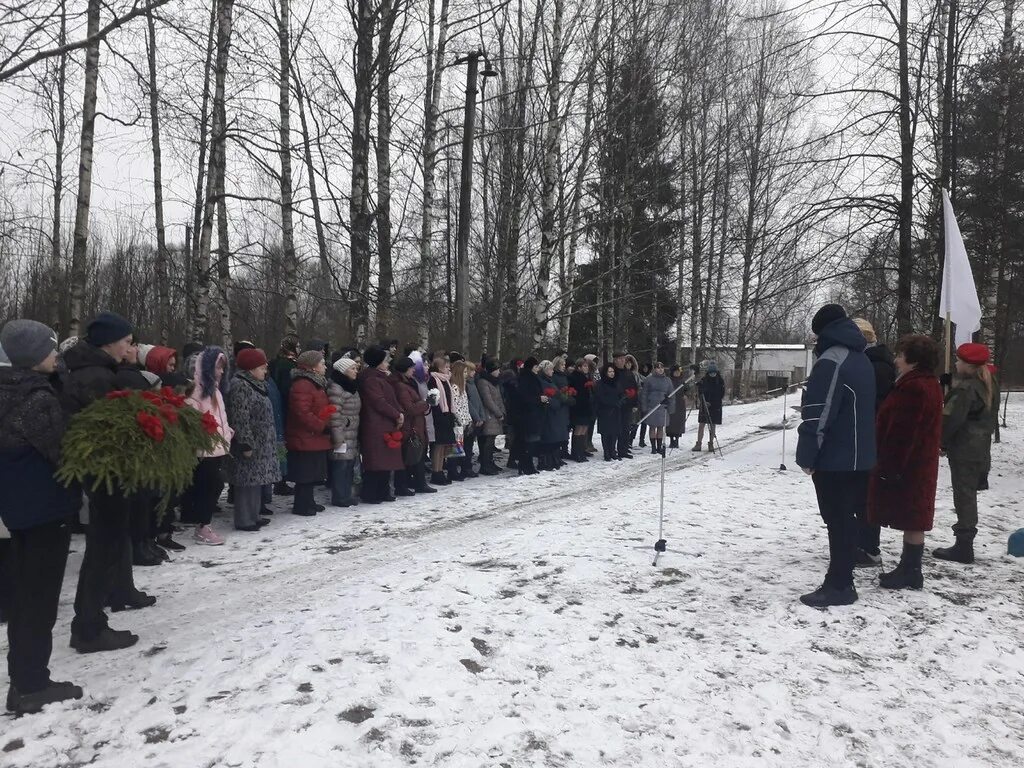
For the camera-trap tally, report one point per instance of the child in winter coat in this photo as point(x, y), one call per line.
point(34, 506)
point(343, 394)
point(207, 397)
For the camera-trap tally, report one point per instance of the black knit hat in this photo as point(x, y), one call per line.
point(530, 363)
point(106, 328)
point(826, 316)
point(374, 356)
point(490, 365)
point(402, 364)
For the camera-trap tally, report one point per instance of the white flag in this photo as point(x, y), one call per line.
point(959, 296)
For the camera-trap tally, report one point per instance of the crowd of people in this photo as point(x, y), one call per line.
point(372, 425)
point(375, 425)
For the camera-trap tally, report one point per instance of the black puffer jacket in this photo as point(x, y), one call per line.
point(885, 371)
point(91, 374)
point(30, 414)
point(32, 426)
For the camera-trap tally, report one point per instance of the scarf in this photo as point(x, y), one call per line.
point(252, 381)
point(316, 378)
point(444, 388)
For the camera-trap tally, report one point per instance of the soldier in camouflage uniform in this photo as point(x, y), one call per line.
point(967, 441)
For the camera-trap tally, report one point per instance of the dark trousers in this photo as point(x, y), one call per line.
point(869, 537)
point(304, 500)
point(487, 451)
point(106, 541)
point(841, 495)
point(5, 579)
point(625, 440)
point(376, 485)
point(342, 473)
point(207, 486)
point(38, 557)
point(467, 445)
point(966, 475)
point(416, 476)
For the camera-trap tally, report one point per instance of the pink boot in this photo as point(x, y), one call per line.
point(206, 535)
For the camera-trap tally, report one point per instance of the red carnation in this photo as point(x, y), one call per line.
point(118, 393)
point(169, 413)
point(153, 398)
point(326, 412)
point(589, 384)
point(631, 393)
point(571, 391)
point(151, 425)
point(172, 399)
point(210, 424)
point(393, 439)
point(550, 391)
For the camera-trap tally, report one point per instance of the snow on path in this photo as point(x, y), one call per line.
point(519, 622)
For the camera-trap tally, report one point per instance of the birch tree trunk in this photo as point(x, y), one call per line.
point(549, 180)
point(432, 99)
point(223, 247)
point(225, 10)
point(291, 267)
point(56, 299)
point(360, 218)
point(385, 64)
point(81, 235)
point(194, 233)
point(162, 257)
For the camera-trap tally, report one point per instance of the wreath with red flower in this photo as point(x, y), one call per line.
point(137, 441)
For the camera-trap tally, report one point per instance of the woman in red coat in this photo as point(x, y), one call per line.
point(908, 431)
point(308, 430)
point(413, 478)
point(380, 428)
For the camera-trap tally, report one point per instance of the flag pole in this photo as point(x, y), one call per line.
point(947, 335)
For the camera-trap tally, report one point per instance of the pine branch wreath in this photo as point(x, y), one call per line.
point(137, 441)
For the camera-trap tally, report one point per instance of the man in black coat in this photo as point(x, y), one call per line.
point(93, 365)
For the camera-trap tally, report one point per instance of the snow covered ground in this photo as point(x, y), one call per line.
point(519, 622)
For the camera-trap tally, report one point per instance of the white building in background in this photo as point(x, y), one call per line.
point(766, 364)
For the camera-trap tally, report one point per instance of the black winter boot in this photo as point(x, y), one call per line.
point(438, 478)
point(962, 551)
point(907, 574)
point(526, 465)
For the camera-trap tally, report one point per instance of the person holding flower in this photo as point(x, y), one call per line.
point(381, 422)
point(555, 419)
point(254, 450)
point(581, 411)
point(343, 393)
point(207, 396)
point(561, 379)
point(308, 430)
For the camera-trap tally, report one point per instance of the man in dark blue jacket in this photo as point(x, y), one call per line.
point(836, 444)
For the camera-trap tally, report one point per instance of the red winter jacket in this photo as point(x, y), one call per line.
point(305, 430)
point(908, 429)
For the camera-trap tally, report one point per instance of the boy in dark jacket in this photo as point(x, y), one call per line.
point(35, 507)
point(836, 444)
point(93, 365)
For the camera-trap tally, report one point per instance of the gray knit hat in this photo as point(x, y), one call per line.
point(27, 343)
point(309, 359)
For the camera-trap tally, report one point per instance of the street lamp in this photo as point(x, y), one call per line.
point(466, 192)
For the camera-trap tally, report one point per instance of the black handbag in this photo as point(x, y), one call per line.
point(412, 450)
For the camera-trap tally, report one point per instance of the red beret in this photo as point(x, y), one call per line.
point(250, 359)
point(975, 354)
